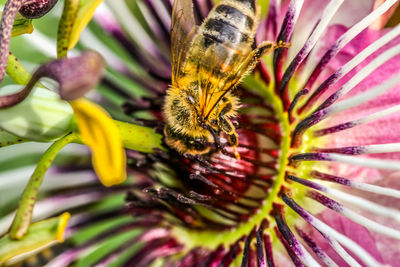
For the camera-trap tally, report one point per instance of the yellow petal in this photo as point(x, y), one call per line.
point(99, 132)
point(84, 15)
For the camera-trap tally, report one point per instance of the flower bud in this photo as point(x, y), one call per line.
point(42, 116)
point(76, 75)
point(36, 9)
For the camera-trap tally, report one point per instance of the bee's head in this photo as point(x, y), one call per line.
point(185, 143)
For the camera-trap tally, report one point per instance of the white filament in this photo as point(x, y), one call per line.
point(326, 16)
point(369, 118)
point(378, 115)
point(380, 148)
point(341, 251)
point(367, 70)
point(363, 203)
point(306, 258)
point(366, 162)
point(376, 189)
point(372, 225)
point(364, 23)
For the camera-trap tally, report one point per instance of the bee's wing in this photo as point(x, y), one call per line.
point(215, 85)
point(182, 31)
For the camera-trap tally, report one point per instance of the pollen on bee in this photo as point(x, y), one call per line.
point(281, 44)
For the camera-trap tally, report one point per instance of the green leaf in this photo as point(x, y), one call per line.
point(41, 234)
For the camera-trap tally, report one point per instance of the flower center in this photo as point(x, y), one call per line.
point(213, 238)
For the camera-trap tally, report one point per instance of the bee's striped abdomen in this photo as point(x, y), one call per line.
point(242, 21)
point(232, 23)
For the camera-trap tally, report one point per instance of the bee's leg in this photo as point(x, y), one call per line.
point(227, 127)
point(263, 49)
point(214, 135)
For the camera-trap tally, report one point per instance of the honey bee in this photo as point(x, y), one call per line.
point(208, 62)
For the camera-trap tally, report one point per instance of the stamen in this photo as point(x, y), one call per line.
point(320, 27)
point(332, 234)
point(357, 201)
point(354, 184)
point(345, 39)
point(53, 205)
point(355, 217)
point(317, 250)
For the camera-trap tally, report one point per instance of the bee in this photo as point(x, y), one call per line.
point(208, 62)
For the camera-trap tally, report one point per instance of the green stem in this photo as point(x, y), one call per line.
point(17, 71)
point(139, 138)
point(23, 216)
point(65, 27)
point(135, 137)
